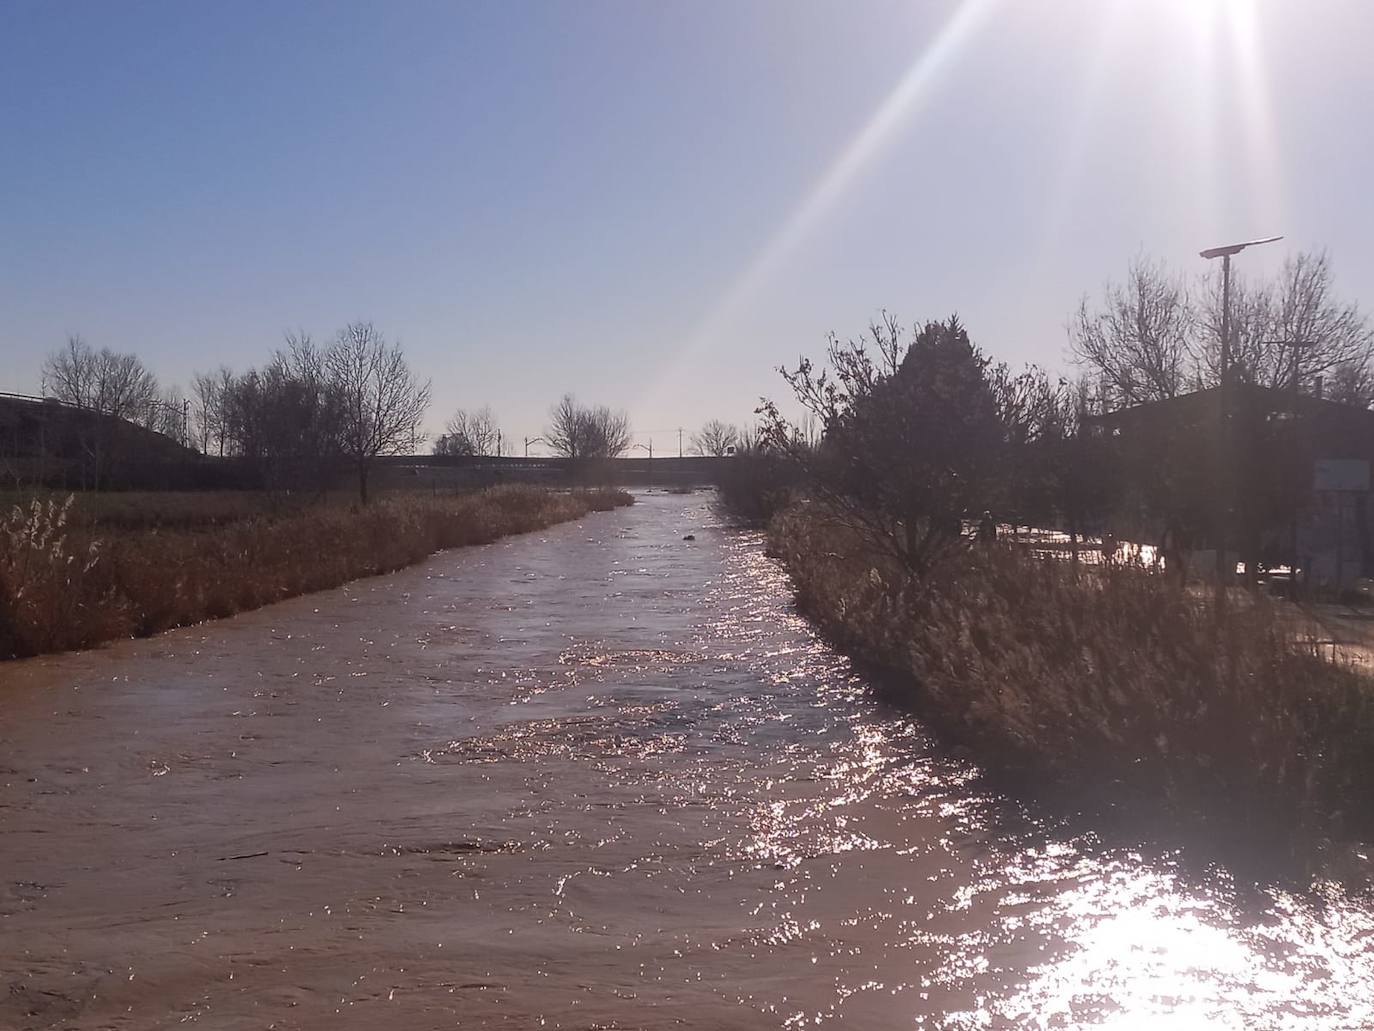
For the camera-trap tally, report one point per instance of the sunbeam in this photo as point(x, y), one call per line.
point(1205, 196)
point(1232, 101)
point(1088, 104)
point(914, 87)
point(1257, 112)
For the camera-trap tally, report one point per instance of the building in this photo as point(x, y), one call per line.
point(1288, 473)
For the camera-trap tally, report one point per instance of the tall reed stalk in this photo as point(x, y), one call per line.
point(63, 588)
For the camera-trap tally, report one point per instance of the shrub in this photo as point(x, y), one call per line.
point(1111, 683)
point(52, 588)
point(755, 484)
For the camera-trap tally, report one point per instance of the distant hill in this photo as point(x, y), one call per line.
point(44, 442)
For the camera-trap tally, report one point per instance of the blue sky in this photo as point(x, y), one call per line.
point(650, 204)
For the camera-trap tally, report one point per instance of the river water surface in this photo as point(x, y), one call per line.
point(595, 777)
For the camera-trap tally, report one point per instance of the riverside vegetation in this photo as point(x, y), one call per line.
point(1106, 683)
point(74, 574)
point(1111, 685)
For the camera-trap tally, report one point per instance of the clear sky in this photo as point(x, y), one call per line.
point(650, 203)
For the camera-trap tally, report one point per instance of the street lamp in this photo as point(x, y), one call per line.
point(1225, 253)
point(533, 440)
point(642, 447)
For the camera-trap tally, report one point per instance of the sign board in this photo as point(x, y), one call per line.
point(1344, 474)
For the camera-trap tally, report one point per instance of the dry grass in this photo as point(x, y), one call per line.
point(123, 511)
point(64, 585)
point(1110, 683)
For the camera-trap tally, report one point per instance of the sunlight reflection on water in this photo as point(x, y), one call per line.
point(1047, 929)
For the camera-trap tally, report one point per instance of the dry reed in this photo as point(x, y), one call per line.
point(1112, 684)
point(63, 587)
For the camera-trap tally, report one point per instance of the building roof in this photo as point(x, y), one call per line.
point(1342, 430)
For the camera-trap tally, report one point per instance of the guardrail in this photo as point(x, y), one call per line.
point(37, 400)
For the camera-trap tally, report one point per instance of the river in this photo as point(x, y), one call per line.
point(594, 777)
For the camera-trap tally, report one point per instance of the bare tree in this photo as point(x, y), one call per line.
point(208, 409)
point(382, 401)
point(302, 415)
point(609, 433)
point(1139, 342)
point(102, 381)
point(167, 414)
point(1254, 358)
point(111, 385)
point(716, 439)
point(751, 439)
point(1153, 338)
point(1351, 384)
point(1335, 337)
point(240, 409)
point(576, 431)
point(69, 373)
point(470, 433)
point(564, 432)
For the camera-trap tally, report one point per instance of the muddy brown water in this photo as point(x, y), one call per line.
point(596, 777)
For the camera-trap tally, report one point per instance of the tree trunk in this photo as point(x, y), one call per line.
point(362, 482)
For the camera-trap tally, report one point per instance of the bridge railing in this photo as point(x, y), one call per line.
point(37, 400)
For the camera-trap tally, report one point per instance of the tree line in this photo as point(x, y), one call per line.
point(114, 384)
point(575, 431)
point(1157, 334)
point(312, 409)
point(920, 429)
point(309, 411)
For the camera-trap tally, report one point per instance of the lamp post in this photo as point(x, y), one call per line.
point(533, 440)
point(1226, 252)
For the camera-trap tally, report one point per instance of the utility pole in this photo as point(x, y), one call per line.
point(1224, 477)
point(679, 442)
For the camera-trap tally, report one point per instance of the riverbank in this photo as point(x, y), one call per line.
point(67, 583)
point(1129, 695)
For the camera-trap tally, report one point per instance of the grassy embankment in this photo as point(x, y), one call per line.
point(76, 572)
point(1109, 686)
